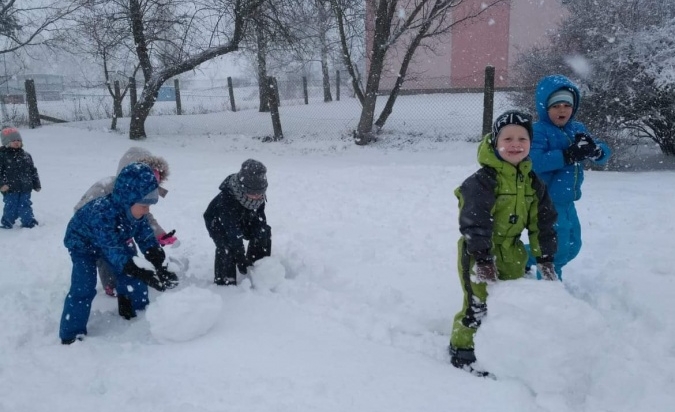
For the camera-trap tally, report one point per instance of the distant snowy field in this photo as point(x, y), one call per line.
point(352, 312)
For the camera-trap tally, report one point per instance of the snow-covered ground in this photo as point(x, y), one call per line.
point(365, 239)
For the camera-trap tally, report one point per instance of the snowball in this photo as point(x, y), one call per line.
point(184, 315)
point(267, 273)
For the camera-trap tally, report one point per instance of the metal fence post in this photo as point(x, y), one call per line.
point(304, 89)
point(337, 85)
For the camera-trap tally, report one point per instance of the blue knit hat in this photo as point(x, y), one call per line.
point(560, 96)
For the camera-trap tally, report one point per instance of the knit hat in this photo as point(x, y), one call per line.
point(9, 135)
point(511, 117)
point(560, 96)
point(150, 199)
point(253, 177)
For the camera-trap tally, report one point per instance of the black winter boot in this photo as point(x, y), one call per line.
point(464, 359)
point(126, 309)
point(225, 281)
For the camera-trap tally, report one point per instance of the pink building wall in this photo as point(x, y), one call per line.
point(495, 38)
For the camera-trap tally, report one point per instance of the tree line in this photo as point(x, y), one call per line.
point(164, 38)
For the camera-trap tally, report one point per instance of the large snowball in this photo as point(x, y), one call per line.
point(184, 315)
point(267, 273)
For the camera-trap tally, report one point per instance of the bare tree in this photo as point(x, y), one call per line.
point(101, 32)
point(404, 26)
point(32, 23)
point(618, 53)
point(172, 37)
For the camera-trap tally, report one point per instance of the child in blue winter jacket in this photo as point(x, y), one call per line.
point(18, 178)
point(559, 146)
point(103, 228)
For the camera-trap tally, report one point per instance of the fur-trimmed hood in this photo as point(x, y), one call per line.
point(140, 155)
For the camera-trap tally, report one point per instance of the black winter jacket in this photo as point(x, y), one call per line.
point(17, 171)
point(229, 223)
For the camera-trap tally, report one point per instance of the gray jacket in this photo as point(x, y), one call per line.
point(105, 186)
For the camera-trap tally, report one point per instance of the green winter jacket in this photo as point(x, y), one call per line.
point(498, 202)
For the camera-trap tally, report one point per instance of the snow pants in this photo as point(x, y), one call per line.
point(510, 258)
point(17, 206)
point(568, 229)
point(77, 306)
point(259, 246)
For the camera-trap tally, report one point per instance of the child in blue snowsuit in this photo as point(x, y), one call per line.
point(18, 178)
point(104, 228)
point(559, 146)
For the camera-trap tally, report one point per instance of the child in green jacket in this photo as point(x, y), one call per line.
point(496, 204)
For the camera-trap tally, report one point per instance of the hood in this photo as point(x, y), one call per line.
point(488, 157)
point(226, 183)
point(546, 87)
point(138, 154)
point(133, 183)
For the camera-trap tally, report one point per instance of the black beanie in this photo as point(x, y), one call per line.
point(253, 177)
point(511, 117)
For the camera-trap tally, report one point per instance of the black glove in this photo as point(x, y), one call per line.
point(583, 148)
point(155, 255)
point(147, 276)
point(167, 277)
point(597, 153)
point(242, 264)
point(125, 308)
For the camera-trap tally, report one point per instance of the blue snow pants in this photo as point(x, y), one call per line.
point(17, 206)
point(568, 229)
point(77, 306)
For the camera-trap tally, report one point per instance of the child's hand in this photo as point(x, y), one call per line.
point(4, 188)
point(167, 239)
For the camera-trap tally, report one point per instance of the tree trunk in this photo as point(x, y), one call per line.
point(264, 105)
point(141, 111)
point(324, 53)
point(327, 97)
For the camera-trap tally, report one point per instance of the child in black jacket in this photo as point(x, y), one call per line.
point(236, 214)
point(18, 178)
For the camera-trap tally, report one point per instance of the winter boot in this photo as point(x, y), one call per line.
point(464, 359)
point(126, 309)
point(79, 337)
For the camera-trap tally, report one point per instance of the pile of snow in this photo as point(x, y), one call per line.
point(267, 273)
point(184, 315)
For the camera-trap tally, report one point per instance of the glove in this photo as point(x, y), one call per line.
point(547, 270)
point(125, 308)
point(486, 271)
point(597, 153)
point(155, 255)
point(167, 277)
point(167, 238)
point(242, 265)
point(583, 148)
point(147, 276)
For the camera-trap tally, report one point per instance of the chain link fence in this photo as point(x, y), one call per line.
point(428, 109)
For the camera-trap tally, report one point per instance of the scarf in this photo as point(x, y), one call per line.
point(238, 192)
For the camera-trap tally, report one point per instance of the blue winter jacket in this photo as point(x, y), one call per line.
point(103, 226)
point(563, 180)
